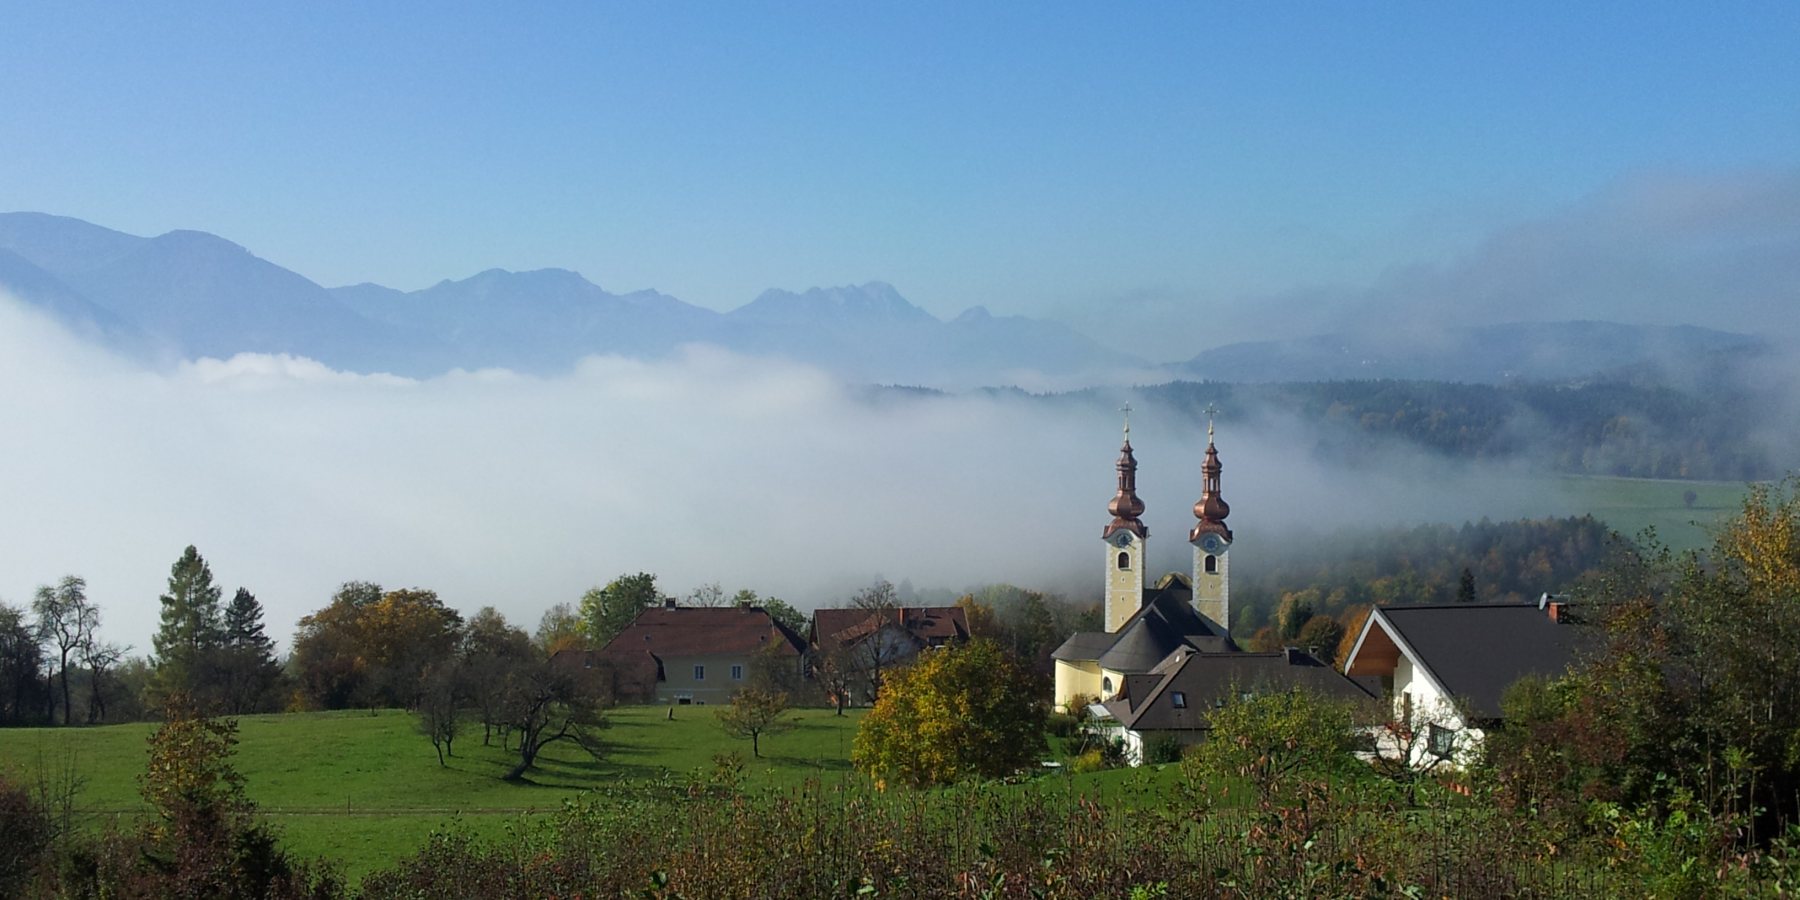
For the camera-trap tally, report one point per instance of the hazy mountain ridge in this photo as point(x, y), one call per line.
point(197, 294)
point(187, 294)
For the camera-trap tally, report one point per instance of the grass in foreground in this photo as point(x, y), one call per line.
point(363, 789)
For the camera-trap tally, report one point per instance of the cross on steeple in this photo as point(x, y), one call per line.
point(1211, 410)
point(1126, 409)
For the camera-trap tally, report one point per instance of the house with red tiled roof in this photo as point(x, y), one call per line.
point(874, 640)
point(685, 654)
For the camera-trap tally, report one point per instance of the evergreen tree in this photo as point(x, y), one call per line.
point(191, 634)
point(247, 663)
point(1465, 589)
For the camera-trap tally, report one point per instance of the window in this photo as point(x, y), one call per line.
point(1179, 699)
point(1106, 684)
point(1439, 740)
point(737, 673)
point(699, 673)
point(1124, 560)
point(1212, 564)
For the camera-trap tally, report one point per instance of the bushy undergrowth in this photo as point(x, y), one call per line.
point(1042, 841)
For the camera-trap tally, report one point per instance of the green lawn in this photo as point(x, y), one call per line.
point(1629, 505)
point(364, 789)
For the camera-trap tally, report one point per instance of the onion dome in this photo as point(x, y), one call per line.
point(1125, 506)
point(1212, 508)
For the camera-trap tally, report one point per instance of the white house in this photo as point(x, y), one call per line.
point(1445, 666)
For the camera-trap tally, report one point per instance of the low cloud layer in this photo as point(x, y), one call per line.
point(521, 492)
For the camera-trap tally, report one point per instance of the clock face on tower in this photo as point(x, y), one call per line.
point(1124, 538)
point(1213, 544)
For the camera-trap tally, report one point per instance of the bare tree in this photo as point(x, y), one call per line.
point(99, 658)
point(553, 702)
point(439, 718)
point(886, 642)
point(706, 596)
point(68, 620)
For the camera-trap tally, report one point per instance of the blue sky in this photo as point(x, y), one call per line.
point(1050, 159)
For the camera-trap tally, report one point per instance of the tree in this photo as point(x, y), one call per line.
point(326, 660)
point(370, 647)
point(551, 701)
point(882, 648)
point(204, 838)
point(1321, 636)
point(99, 658)
point(22, 692)
point(190, 632)
point(248, 671)
point(706, 596)
point(491, 651)
point(982, 622)
point(440, 718)
point(969, 711)
point(778, 609)
point(834, 670)
point(753, 713)
point(559, 629)
point(1277, 742)
point(605, 611)
point(1465, 587)
point(402, 635)
point(67, 620)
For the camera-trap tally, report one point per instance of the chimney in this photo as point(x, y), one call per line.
point(1556, 608)
point(903, 617)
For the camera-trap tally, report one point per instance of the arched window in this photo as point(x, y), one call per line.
point(1106, 684)
point(1212, 564)
point(1124, 560)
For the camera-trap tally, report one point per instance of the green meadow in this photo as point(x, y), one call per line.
point(1630, 505)
point(363, 789)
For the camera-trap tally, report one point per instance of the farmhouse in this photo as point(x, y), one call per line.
point(1444, 666)
point(874, 640)
point(682, 654)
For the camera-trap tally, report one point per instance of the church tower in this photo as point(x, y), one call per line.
point(1124, 537)
point(1212, 540)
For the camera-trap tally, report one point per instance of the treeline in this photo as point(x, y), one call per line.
point(1316, 593)
point(1614, 427)
point(54, 664)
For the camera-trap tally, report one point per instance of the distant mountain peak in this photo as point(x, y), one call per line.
point(874, 300)
point(974, 314)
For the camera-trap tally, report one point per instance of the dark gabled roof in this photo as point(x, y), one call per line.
point(1165, 623)
point(1475, 651)
point(1084, 646)
point(1147, 702)
point(930, 624)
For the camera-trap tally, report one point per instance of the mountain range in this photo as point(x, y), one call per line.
point(189, 294)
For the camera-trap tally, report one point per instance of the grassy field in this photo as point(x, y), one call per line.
point(364, 789)
point(1629, 505)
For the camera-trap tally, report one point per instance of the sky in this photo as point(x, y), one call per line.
point(1062, 160)
point(1164, 177)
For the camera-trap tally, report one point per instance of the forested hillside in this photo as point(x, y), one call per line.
point(1622, 427)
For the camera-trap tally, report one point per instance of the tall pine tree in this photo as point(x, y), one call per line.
point(247, 661)
point(191, 634)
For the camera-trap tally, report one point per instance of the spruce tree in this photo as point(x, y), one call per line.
point(187, 642)
point(248, 657)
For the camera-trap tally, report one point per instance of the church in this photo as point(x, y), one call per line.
point(1166, 658)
